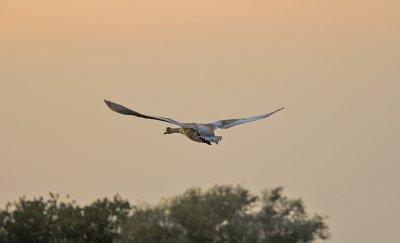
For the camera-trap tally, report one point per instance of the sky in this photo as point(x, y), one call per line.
point(334, 65)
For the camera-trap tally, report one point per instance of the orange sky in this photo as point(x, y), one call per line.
point(334, 65)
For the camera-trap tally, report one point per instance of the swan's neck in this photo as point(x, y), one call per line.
point(174, 130)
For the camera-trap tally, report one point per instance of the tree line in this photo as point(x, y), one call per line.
point(221, 214)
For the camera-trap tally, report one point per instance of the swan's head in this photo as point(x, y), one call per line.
point(168, 131)
point(172, 130)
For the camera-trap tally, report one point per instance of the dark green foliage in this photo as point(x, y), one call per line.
point(204, 215)
point(225, 214)
point(222, 214)
point(40, 220)
point(152, 225)
point(284, 220)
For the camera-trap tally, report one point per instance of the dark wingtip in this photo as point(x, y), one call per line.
point(107, 102)
point(110, 104)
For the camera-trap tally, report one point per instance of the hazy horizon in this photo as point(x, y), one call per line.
point(334, 66)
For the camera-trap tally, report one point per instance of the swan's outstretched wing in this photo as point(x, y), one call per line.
point(126, 111)
point(224, 124)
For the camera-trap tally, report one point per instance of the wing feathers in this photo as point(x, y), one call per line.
point(126, 111)
point(224, 124)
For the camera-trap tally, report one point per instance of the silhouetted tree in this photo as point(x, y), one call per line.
point(222, 214)
point(40, 220)
point(225, 214)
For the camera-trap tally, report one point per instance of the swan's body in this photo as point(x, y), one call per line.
point(202, 133)
point(195, 135)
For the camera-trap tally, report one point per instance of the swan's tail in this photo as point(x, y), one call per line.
point(214, 139)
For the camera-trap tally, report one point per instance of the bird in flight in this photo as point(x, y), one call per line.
point(199, 132)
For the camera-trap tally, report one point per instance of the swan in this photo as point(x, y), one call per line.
point(199, 132)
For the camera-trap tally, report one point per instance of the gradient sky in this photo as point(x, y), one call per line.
point(334, 65)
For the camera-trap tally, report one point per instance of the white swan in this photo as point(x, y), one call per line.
point(202, 133)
